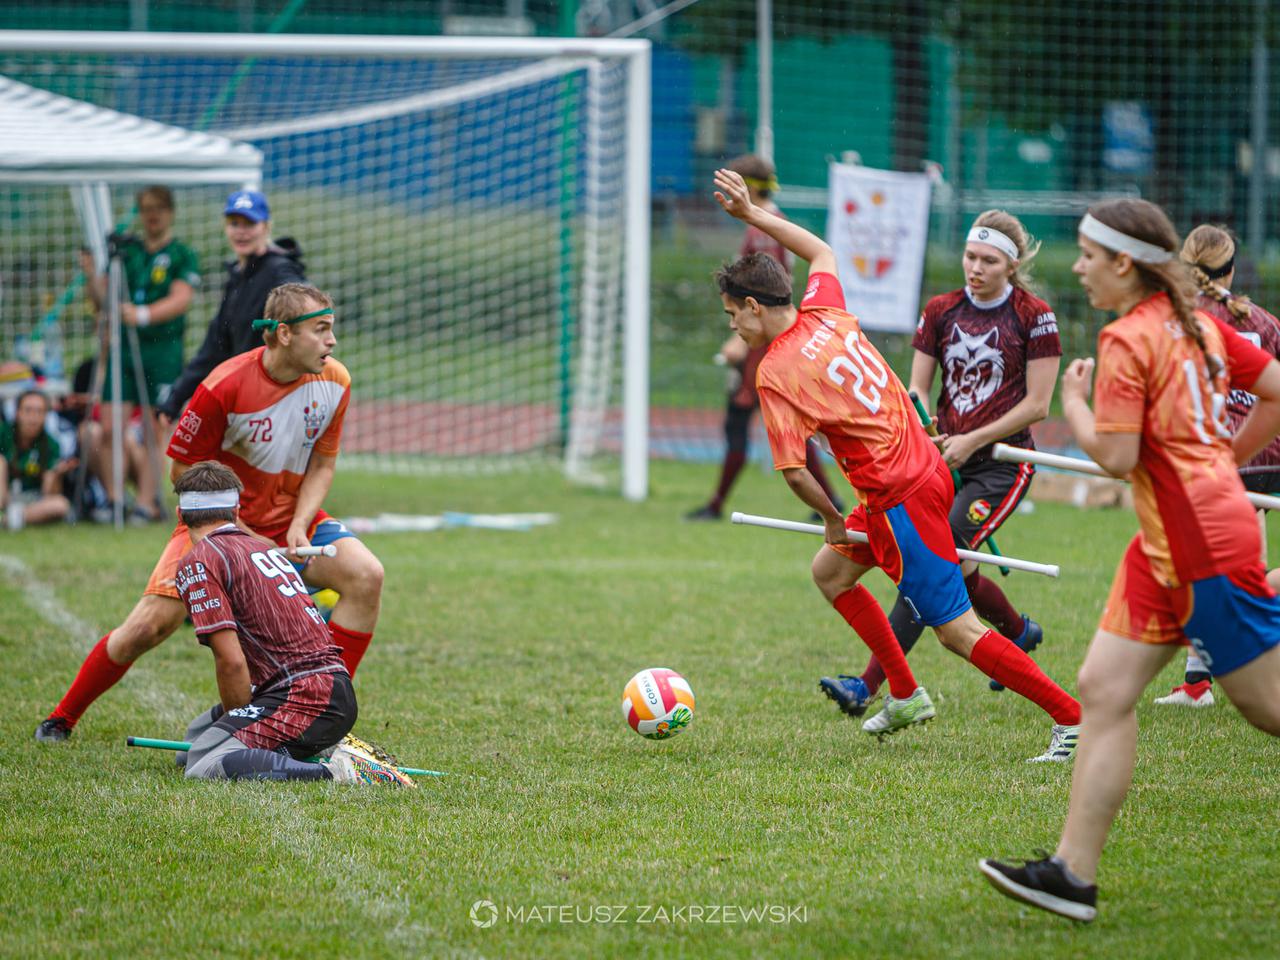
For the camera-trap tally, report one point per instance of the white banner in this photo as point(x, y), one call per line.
point(878, 226)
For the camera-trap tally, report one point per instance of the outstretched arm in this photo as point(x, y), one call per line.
point(733, 195)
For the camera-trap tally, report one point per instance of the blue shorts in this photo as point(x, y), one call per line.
point(914, 545)
point(1230, 619)
point(327, 531)
point(1230, 627)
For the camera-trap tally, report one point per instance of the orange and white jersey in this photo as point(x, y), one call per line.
point(822, 375)
point(264, 430)
point(1154, 380)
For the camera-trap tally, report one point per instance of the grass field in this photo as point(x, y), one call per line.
point(501, 658)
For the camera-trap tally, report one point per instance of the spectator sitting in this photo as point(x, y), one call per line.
point(31, 469)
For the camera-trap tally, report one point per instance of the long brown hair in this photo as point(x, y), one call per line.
point(1143, 220)
point(1209, 248)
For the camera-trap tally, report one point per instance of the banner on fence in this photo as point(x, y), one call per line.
point(878, 226)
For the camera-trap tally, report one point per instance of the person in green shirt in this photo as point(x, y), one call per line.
point(161, 275)
point(31, 466)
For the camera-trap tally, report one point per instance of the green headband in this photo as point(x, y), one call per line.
point(266, 324)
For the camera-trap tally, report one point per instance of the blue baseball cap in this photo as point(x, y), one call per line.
point(249, 204)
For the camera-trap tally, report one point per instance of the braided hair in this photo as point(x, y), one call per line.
point(1210, 251)
point(1143, 220)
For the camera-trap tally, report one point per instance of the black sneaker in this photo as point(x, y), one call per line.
point(53, 730)
point(1044, 883)
point(1031, 637)
point(707, 512)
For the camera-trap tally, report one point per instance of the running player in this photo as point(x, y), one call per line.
point(1192, 573)
point(998, 347)
point(286, 695)
point(1211, 254)
point(761, 180)
point(274, 415)
point(821, 375)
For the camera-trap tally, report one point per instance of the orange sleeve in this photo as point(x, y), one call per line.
point(1120, 389)
point(788, 428)
point(330, 441)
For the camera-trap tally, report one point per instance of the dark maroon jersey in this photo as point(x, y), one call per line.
point(756, 240)
point(983, 352)
point(232, 581)
point(1262, 330)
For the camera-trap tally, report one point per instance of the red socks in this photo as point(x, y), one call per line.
point(98, 674)
point(1000, 659)
point(990, 603)
point(352, 643)
point(860, 611)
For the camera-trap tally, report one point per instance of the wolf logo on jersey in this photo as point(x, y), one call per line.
point(974, 368)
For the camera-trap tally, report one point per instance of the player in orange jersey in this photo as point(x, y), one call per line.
point(1210, 252)
point(821, 375)
point(274, 415)
point(1193, 574)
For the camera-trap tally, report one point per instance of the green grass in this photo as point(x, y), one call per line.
point(501, 658)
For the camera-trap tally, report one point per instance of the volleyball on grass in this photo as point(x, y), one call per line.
point(657, 703)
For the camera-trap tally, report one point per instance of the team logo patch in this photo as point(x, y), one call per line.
point(979, 510)
point(973, 368)
point(190, 422)
point(250, 712)
point(160, 269)
point(314, 415)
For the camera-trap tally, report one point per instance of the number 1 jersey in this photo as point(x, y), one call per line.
point(232, 581)
point(822, 375)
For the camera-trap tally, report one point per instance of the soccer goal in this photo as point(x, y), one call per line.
point(479, 208)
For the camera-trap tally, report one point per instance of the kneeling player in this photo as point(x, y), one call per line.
point(274, 416)
point(285, 693)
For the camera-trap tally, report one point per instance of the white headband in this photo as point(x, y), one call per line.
point(992, 236)
point(208, 500)
point(1113, 239)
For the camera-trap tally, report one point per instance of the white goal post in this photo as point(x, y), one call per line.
point(478, 206)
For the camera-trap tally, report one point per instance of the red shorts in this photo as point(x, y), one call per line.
point(927, 507)
point(161, 583)
point(1142, 608)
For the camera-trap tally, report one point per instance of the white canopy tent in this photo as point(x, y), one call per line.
point(46, 138)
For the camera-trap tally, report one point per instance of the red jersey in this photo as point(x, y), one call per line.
point(983, 351)
point(265, 431)
point(1153, 380)
point(822, 375)
point(1263, 331)
point(232, 581)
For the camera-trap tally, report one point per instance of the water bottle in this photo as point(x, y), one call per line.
point(14, 512)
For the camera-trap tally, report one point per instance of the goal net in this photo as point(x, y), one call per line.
point(477, 208)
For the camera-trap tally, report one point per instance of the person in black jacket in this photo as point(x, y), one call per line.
point(261, 265)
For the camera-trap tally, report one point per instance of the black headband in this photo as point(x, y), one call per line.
point(1214, 273)
point(764, 299)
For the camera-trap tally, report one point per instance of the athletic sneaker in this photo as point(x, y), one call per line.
point(1198, 694)
point(1045, 883)
point(1031, 636)
point(53, 730)
point(1062, 745)
point(896, 714)
point(350, 764)
point(707, 512)
point(378, 753)
point(850, 693)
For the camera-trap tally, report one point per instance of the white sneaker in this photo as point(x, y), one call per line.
point(1189, 695)
point(897, 714)
point(1062, 745)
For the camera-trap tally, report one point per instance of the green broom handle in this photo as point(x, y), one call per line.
point(183, 745)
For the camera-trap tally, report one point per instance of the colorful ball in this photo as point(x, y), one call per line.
point(657, 703)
